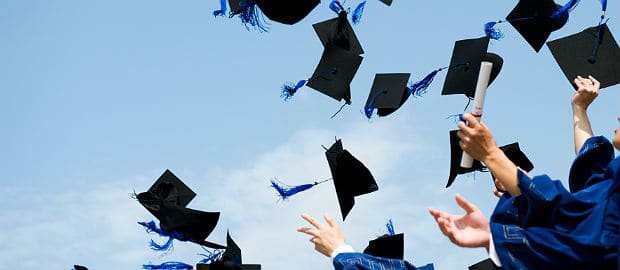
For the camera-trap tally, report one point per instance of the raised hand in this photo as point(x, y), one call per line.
point(325, 237)
point(469, 230)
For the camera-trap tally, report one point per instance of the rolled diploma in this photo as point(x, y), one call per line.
point(481, 90)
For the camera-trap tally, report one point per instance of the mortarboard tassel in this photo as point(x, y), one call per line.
point(597, 41)
point(492, 32)
point(357, 12)
point(152, 227)
point(390, 227)
point(222, 9)
point(419, 88)
point(560, 16)
point(370, 107)
point(165, 247)
point(250, 14)
point(168, 266)
point(286, 191)
point(211, 257)
point(336, 6)
point(288, 89)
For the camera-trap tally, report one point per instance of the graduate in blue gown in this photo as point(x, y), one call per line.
point(538, 223)
point(329, 241)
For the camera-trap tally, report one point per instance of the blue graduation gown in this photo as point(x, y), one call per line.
point(548, 227)
point(361, 261)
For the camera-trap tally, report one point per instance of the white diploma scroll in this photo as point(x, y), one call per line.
point(481, 91)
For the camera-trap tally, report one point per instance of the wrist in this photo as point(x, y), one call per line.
point(344, 248)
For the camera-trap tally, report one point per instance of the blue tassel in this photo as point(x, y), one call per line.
point(603, 10)
point(492, 32)
point(288, 89)
point(286, 191)
point(152, 227)
point(370, 106)
point(211, 257)
point(165, 247)
point(368, 110)
point(560, 16)
point(168, 266)
point(419, 88)
point(390, 227)
point(250, 14)
point(222, 9)
point(357, 13)
point(335, 6)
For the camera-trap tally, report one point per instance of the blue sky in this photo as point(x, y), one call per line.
point(101, 97)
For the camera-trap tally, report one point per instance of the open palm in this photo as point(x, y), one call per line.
point(469, 230)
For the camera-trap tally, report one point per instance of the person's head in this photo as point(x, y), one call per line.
point(616, 140)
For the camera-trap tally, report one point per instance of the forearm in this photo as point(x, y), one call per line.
point(581, 126)
point(504, 170)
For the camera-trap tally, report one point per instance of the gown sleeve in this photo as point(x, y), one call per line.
point(361, 261)
point(590, 163)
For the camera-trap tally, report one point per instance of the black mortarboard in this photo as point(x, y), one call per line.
point(335, 72)
point(514, 153)
point(286, 11)
point(456, 154)
point(465, 63)
point(230, 260)
point(589, 53)
point(236, 6)
point(351, 177)
point(387, 94)
point(387, 2)
point(79, 267)
point(338, 32)
point(532, 19)
point(486, 264)
point(168, 189)
point(167, 199)
point(387, 246)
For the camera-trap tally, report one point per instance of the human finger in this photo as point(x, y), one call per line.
point(466, 205)
point(437, 213)
point(330, 221)
point(307, 231)
point(312, 221)
point(595, 82)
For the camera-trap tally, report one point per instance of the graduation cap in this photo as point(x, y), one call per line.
point(167, 200)
point(338, 32)
point(387, 2)
point(456, 154)
point(167, 189)
point(79, 267)
point(286, 11)
point(465, 63)
point(534, 20)
point(486, 264)
point(332, 75)
point(388, 93)
point(230, 259)
point(514, 153)
point(593, 51)
point(351, 178)
point(389, 245)
point(283, 11)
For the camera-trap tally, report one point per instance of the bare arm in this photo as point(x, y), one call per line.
point(587, 91)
